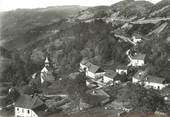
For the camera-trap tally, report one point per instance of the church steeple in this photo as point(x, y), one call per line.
point(46, 62)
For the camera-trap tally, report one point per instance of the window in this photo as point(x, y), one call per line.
point(158, 87)
point(28, 111)
point(22, 110)
point(17, 109)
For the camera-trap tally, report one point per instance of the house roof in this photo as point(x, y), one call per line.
point(155, 79)
point(139, 56)
point(123, 67)
point(110, 74)
point(137, 36)
point(74, 75)
point(140, 75)
point(26, 101)
point(98, 92)
point(84, 61)
point(91, 67)
point(94, 68)
point(96, 96)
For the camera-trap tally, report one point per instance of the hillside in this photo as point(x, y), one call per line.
point(87, 34)
point(16, 24)
point(101, 34)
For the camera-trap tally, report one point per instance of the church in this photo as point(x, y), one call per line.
point(46, 74)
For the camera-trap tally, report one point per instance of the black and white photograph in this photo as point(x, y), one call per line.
point(84, 58)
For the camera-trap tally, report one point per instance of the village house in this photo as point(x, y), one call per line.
point(138, 60)
point(91, 70)
point(136, 39)
point(168, 58)
point(83, 65)
point(91, 84)
point(109, 76)
point(155, 82)
point(122, 69)
point(29, 106)
point(139, 77)
point(149, 81)
point(46, 73)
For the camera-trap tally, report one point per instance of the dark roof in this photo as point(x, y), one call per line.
point(26, 101)
point(49, 68)
point(124, 67)
point(140, 75)
point(155, 79)
point(139, 56)
point(95, 96)
point(94, 68)
point(137, 36)
point(110, 74)
point(98, 92)
point(74, 75)
point(84, 61)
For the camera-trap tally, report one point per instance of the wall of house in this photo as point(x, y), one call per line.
point(106, 79)
point(90, 74)
point(23, 112)
point(101, 74)
point(137, 62)
point(150, 84)
point(42, 77)
point(154, 85)
point(87, 83)
point(134, 80)
point(82, 67)
point(94, 75)
point(120, 71)
point(135, 40)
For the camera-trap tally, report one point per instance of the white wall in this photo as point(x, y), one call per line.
point(106, 79)
point(154, 85)
point(87, 83)
point(90, 74)
point(135, 40)
point(134, 80)
point(120, 71)
point(101, 74)
point(137, 62)
point(82, 66)
point(94, 75)
point(23, 112)
point(150, 84)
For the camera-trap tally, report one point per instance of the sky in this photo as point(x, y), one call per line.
point(6, 5)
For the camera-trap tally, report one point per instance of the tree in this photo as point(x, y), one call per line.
point(37, 56)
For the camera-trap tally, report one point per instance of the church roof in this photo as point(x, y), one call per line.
point(94, 68)
point(27, 101)
point(48, 76)
point(46, 60)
